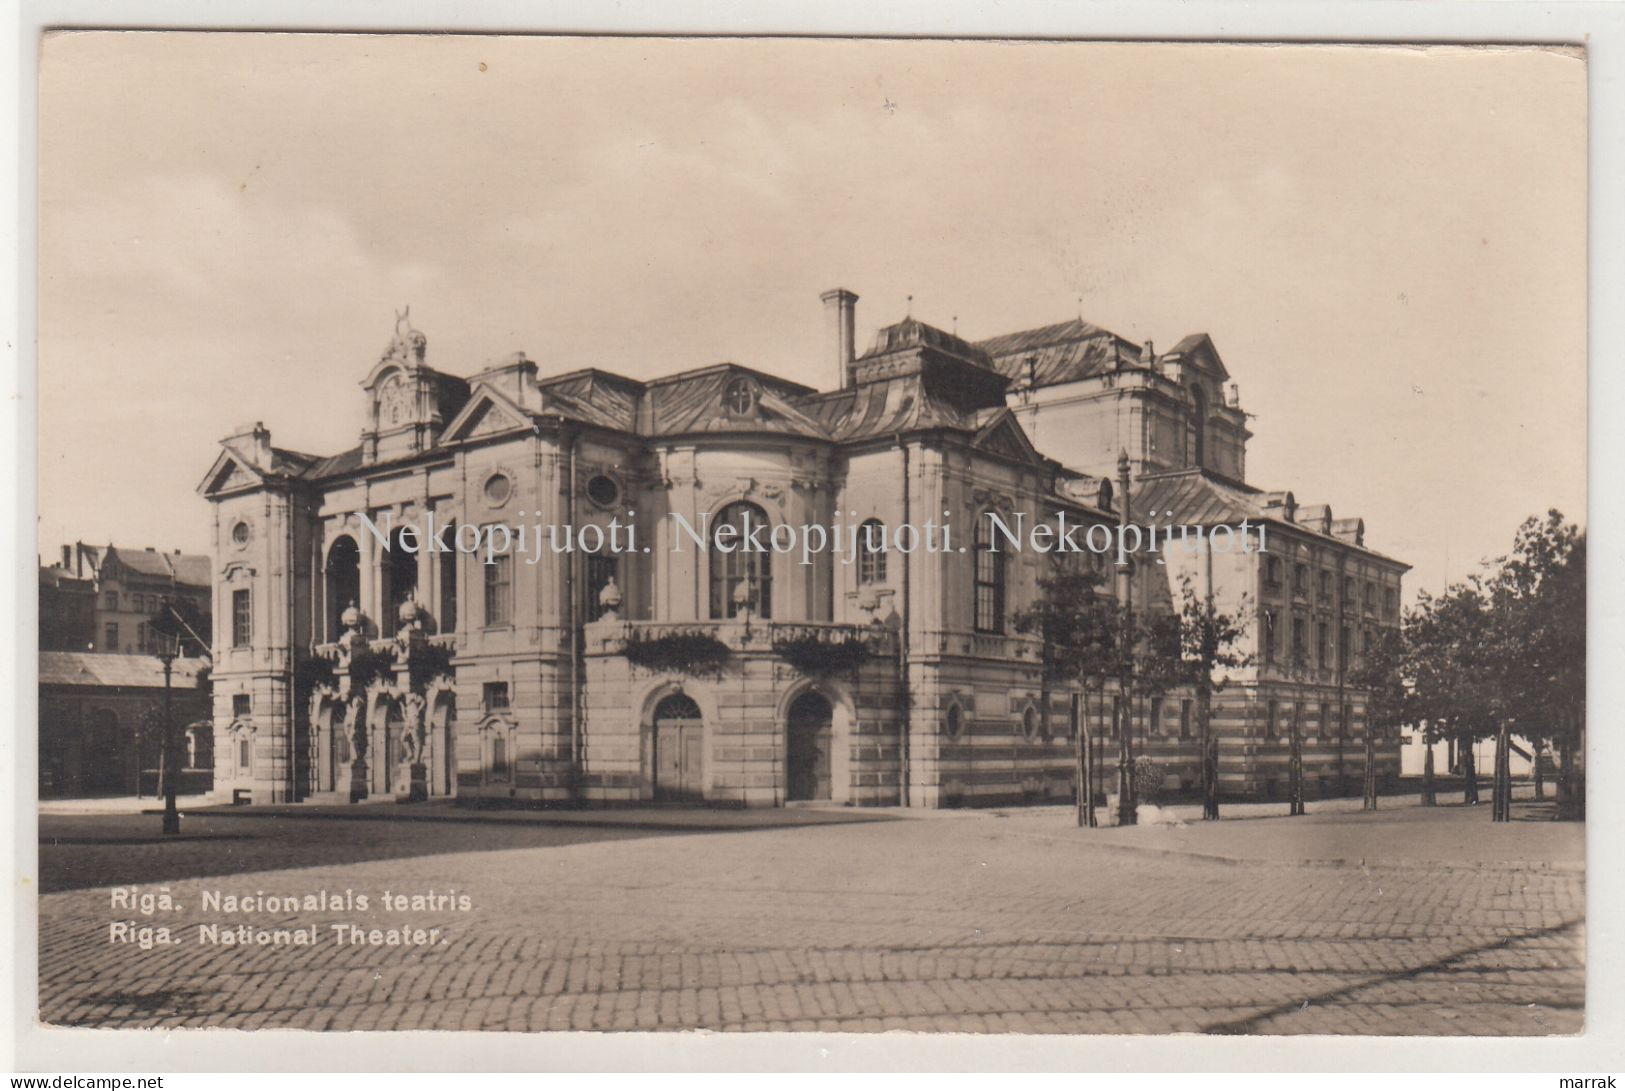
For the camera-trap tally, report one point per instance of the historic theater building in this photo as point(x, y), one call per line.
point(350, 665)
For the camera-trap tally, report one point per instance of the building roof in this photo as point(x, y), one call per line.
point(1199, 498)
point(105, 669)
point(58, 577)
point(189, 569)
point(1062, 353)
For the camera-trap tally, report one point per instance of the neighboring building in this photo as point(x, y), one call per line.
point(67, 610)
point(101, 724)
point(126, 588)
point(344, 669)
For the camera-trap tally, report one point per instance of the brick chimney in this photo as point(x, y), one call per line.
point(840, 318)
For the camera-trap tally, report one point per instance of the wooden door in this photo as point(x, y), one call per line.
point(679, 751)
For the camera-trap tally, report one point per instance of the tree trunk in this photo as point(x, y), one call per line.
point(1081, 736)
point(1370, 803)
point(1469, 772)
point(1210, 756)
point(1429, 797)
point(1501, 810)
point(1539, 749)
point(1127, 806)
point(1295, 770)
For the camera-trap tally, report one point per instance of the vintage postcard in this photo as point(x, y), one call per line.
point(741, 534)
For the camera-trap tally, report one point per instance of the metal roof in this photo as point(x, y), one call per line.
point(104, 669)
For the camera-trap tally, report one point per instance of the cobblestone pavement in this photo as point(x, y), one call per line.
point(975, 924)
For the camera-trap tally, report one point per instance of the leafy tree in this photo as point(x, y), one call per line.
point(1380, 673)
point(1079, 625)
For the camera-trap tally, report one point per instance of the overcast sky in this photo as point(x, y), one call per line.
point(1387, 245)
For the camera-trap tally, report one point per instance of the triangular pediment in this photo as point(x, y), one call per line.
point(1003, 436)
point(230, 472)
point(487, 413)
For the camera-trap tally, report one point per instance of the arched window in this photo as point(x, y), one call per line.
point(872, 552)
point(343, 582)
point(988, 604)
point(741, 558)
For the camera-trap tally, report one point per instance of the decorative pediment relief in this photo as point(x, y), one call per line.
point(487, 413)
point(1005, 437)
point(229, 472)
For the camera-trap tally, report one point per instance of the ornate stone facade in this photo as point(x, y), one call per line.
point(351, 666)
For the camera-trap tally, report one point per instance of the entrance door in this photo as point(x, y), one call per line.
point(679, 740)
point(807, 748)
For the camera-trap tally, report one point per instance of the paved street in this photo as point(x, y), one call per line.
point(1410, 921)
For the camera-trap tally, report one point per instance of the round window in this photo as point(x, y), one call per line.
point(497, 489)
point(602, 490)
point(240, 533)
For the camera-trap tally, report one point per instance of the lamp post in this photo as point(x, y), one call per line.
point(167, 650)
point(1127, 805)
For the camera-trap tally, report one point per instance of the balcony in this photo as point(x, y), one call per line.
point(612, 636)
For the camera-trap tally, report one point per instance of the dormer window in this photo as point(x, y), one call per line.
point(739, 398)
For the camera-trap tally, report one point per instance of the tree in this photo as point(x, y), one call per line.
point(1079, 625)
point(1380, 673)
point(1538, 597)
point(1197, 645)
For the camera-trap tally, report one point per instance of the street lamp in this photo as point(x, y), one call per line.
point(167, 628)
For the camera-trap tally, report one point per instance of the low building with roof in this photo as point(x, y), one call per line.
point(101, 723)
point(358, 657)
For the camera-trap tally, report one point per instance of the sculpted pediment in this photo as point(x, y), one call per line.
point(487, 413)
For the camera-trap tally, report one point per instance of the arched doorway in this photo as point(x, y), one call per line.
point(678, 760)
point(343, 582)
point(807, 748)
point(397, 777)
point(443, 744)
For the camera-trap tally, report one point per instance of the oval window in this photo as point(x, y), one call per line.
point(497, 489)
point(240, 533)
point(602, 490)
point(1029, 722)
point(953, 720)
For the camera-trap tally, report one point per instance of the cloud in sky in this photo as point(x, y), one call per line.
point(1386, 244)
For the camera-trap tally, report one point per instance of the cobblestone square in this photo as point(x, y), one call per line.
point(1407, 921)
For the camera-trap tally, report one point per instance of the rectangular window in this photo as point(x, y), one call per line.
point(1323, 639)
point(1325, 586)
point(1156, 716)
point(1300, 639)
point(499, 590)
point(1343, 648)
point(1343, 722)
point(989, 604)
point(110, 600)
point(496, 696)
point(110, 637)
point(1325, 725)
point(448, 591)
point(601, 571)
point(1185, 719)
point(244, 755)
point(241, 705)
point(499, 757)
point(1271, 712)
point(242, 620)
point(1271, 637)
